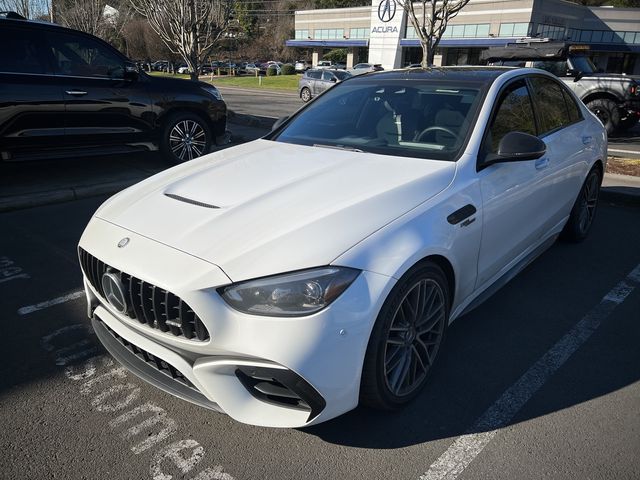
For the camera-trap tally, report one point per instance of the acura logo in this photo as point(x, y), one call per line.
point(386, 10)
point(114, 292)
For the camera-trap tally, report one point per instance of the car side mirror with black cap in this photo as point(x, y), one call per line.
point(279, 122)
point(131, 72)
point(576, 74)
point(516, 147)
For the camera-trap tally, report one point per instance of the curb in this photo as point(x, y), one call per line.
point(250, 120)
point(38, 199)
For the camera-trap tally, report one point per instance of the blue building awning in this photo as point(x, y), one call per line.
point(328, 43)
point(464, 42)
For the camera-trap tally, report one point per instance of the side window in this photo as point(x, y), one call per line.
point(77, 55)
point(552, 111)
point(514, 114)
point(315, 74)
point(20, 52)
point(557, 67)
point(327, 76)
point(572, 107)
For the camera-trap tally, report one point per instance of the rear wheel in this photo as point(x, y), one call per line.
point(406, 338)
point(607, 112)
point(305, 94)
point(584, 210)
point(185, 136)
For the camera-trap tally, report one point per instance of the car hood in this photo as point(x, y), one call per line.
point(266, 207)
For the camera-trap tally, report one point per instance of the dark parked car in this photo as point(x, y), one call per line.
point(317, 80)
point(66, 93)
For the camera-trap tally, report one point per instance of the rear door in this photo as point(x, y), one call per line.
point(561, 127)
point(31, 103)
point(102, 108)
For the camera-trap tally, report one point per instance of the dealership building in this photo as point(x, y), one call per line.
point(382, 34)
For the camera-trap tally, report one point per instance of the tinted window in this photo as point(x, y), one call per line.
point(314, 74)
point(552, 111)
point(572, 107)
point(20, 51)
point(557, 67)
point(514, 114)
point(82, 56)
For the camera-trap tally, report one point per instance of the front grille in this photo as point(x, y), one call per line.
point(151, 359)
point(146, 303)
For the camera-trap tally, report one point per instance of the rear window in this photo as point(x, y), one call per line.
point(416, 118)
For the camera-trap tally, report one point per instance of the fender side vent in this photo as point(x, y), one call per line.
point(188, 200)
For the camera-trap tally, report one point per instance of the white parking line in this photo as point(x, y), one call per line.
point(49, 303)
point(467, 447)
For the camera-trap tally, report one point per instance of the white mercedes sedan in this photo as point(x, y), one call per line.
point(286, 280)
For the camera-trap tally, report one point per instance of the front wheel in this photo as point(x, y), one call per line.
point(406, 338)
point(185, 136)
point(607, 112)
point(584, 210)
point(305, 94)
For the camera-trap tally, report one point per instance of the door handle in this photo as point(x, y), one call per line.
point(76, 93)
point(586, 140)
point(542, 163)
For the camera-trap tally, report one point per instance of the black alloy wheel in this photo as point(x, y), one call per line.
point(584, 209)
point(406, 338)
point(607, 112)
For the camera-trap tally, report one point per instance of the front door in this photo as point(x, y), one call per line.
point(102, 107)
point(513, 193)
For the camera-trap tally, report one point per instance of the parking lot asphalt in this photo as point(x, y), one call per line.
point(568, 325)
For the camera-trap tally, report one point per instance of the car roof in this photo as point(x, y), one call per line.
point(479, 74)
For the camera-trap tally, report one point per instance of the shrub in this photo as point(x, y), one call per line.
point(272, 72)
point(288, 69)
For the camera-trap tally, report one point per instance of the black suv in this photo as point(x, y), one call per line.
point(66, 93)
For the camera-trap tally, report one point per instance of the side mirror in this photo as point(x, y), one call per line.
point(517, 147)
point(576, 74)
point(334, 79)
point(279, 122)
point(131, 72)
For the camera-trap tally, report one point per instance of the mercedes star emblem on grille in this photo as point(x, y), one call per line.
point(123, 243)
point(114, 292)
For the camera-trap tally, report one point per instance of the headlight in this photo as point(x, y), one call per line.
point(213, 91)
point(292, 294)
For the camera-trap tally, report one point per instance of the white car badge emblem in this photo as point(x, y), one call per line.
point(123, 243)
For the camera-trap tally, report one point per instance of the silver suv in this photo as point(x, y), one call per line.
point(317, 80)
point(614, 98)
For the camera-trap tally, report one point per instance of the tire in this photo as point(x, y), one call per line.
point(185, 136)
point(305, 94)
point(399, 357)
point(584, 209)
point(607, 112)
point(628, 123)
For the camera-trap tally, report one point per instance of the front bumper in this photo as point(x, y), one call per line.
point(268, 371)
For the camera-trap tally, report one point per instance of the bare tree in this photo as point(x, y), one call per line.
point(430, 20)
point(189, 28)
point(27, 8)
point(96, 17)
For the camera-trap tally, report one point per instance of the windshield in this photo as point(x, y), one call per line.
point(582, 64)
point(402, 117)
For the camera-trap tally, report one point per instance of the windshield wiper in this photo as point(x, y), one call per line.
point(339, 147)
